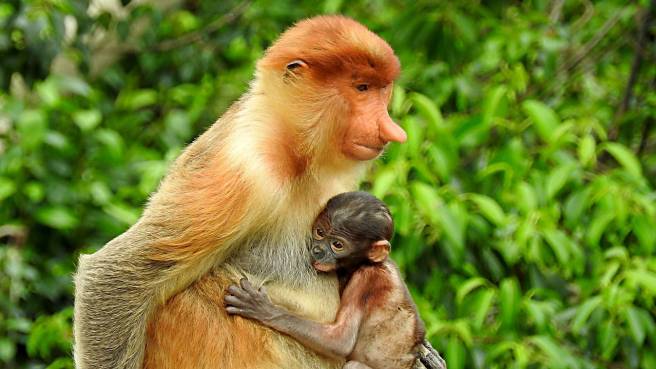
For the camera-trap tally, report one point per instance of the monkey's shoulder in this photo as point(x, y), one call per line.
point(381, 288)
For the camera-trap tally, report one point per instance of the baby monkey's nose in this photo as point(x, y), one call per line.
point(317, 252)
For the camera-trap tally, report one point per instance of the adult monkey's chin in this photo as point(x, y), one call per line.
point(323, 267)
point(362, 152)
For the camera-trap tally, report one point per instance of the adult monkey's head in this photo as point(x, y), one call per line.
point(330, 79)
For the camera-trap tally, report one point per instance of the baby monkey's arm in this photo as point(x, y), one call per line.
point(334, 339)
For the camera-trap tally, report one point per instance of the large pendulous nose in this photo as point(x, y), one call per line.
point(390, 131)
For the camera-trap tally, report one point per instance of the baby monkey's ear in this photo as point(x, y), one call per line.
point(379, 251)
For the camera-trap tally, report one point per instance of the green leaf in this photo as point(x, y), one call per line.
point(451, 226)
point(625, 157)
point(428, 110)
point(7, 349)
point(535, 311)
point(111, 140)
point(583, 313)
point(50, 333)
point(62, 363)
point(608, 338)
point(481, 306)
point(489, 208)
point(7, 188)
point(433, 208)
point(87, 120)
point(57, 217)
point(468, 287)
point(136, 99)
point(404, 218)
point(644, 278)
point(611, 271)
point(122, 212)
point(49, 91)
point(557, 179)
point(441, 162)
point(586, 150)
point(491, 103)
point(597, 227)
point(509, 298)
point(455, 354)
point(643, 227)
point(576, 204)
point(558, 357)
point(526, 198)
point(32, 127)
point(543, 117)
point(415, 136)
point(557, 239)
point(427, 200)
point(632, 315)
point(384, 181)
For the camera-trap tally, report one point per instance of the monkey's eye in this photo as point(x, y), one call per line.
point(319, 234)
point(337, 245)
point(362, 87)
point(295, 64)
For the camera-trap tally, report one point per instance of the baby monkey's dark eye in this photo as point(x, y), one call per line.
point(362, 87)
point(318, 233)
point(337, 245)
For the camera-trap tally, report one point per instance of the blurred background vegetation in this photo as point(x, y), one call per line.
point(524, 198)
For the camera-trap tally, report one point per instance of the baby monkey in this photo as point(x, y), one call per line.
point(377, 325)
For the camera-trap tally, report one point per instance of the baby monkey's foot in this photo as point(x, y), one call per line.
point(249, 302)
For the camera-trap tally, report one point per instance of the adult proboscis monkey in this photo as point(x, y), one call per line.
point(239, 201)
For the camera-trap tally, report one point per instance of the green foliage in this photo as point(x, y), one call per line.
point(523, 199)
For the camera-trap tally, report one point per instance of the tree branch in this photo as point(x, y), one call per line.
point(635, 71)
point(198, 35)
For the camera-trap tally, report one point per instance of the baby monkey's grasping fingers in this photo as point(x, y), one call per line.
point(249, 302)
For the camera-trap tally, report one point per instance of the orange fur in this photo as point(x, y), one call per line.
point(213, 212)
point(354, 51)
point(284, 155)
point(193, 331)
point(265, 168)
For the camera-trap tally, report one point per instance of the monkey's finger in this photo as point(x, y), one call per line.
point(246, 285)
point(237, 291)
point(262, 290)
point(233, 301)
point(245, 312)
point(430, 357)
point(233, 310)
point(418, 365)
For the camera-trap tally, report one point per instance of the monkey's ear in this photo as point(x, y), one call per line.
point(379, 251)
point(296, 65)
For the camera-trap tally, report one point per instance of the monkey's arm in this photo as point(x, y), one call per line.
point(114, 295)
point(189, 225)
point(335, 339)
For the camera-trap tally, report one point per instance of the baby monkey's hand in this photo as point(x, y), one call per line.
point(249, 302)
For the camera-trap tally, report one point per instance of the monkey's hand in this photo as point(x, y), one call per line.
point(428, 357)
point(249, 302)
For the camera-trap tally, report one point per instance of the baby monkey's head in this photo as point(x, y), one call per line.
point(354, 228)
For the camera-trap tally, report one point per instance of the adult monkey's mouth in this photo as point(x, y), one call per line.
point(372, 148)
point(372, 151)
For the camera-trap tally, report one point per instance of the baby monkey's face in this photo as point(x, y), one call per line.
point(333, 248)
point(353, 229)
